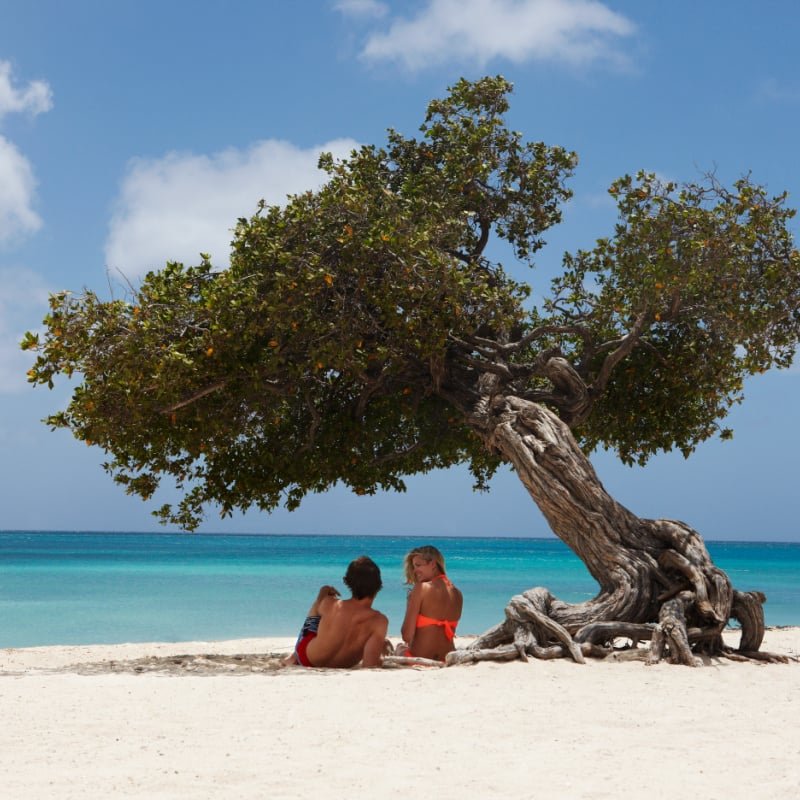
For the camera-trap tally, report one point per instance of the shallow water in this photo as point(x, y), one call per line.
point(84, 588)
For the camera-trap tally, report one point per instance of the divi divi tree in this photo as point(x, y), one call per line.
point(362, 334)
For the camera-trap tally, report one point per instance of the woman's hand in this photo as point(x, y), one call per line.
point(402, 649)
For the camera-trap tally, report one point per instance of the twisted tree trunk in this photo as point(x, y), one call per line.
point(657, 580)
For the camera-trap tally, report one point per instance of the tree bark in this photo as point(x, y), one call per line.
point(656, 579)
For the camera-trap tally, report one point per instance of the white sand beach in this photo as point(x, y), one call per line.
point(136, 721)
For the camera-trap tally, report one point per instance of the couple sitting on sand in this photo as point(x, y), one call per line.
point(342, 633)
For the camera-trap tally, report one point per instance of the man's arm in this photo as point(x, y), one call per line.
point(325, 596)
point(374, 646)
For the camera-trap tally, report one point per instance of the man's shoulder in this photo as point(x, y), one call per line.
point(375, 618)
point(379, 619)
point(327, 604)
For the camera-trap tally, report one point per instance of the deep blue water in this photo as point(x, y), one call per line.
point(83, 588)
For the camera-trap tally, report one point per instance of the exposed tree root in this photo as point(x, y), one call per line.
point(599, 632)
point(529, 630)
point(473, 654)
point(748, 609)
point(671, 632)
point(658, 583)
point(756, 655)
point(409, 661)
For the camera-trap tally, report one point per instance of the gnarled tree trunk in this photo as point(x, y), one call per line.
point(657, 580)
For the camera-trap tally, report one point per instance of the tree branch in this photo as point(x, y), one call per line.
point(315, 423)
point(626, 345)
point(486, 346)
point(489, 366)
point(484, 237)
point(395, 455)
point(193, 398)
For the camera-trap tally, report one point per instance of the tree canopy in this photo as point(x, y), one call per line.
point(355, 333)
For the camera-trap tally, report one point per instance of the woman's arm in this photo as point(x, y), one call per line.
point(412, 609)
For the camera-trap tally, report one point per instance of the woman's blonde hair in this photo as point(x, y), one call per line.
point(429, 553)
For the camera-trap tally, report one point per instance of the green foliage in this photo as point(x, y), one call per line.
point(347, 341)
point(715, 279)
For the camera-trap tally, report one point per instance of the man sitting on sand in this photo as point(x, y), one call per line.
point(340, 633)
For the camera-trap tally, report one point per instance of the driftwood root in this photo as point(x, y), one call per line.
point(688, 629)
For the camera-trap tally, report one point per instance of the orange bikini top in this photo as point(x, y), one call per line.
point(448, 624)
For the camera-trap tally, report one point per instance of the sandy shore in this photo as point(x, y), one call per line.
point(138, 721)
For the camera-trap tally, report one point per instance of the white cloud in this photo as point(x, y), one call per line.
point(17, 193)
point(35, 98)
point(17, 184)
point(173, 208)
point(361, 8)
point(23, 304)
point(577, 32)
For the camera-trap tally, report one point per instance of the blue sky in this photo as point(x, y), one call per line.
point(136, 132)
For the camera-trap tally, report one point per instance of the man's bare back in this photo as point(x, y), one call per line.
point(349, 631)
point(342, 633)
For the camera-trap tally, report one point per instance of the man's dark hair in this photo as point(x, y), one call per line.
point(363, 578)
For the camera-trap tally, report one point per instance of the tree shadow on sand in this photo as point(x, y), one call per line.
point(200, 664)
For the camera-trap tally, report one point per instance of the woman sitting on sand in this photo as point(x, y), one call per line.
point(433, 609)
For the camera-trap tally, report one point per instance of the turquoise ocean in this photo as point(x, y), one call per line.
point(92, 588)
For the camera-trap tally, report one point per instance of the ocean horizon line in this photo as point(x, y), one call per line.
point(437, 536)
